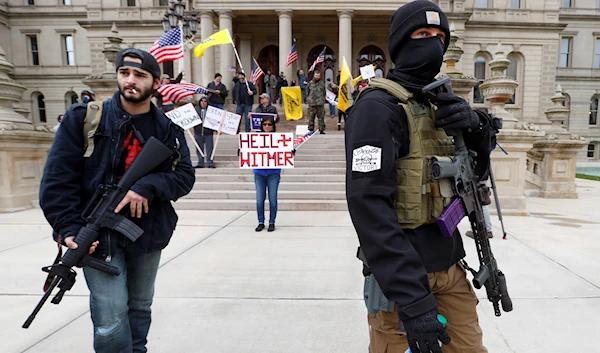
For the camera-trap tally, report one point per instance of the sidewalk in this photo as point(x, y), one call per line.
point(223, 288)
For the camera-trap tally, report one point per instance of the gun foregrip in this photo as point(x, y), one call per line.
point(504, 297)
point(84, 239)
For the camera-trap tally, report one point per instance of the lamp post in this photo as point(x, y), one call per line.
point(176, 17)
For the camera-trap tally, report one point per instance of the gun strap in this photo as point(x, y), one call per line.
point(462, 263)
point(93, 116)
point(50, 277)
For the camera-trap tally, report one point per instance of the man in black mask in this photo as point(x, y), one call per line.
point(412, 271)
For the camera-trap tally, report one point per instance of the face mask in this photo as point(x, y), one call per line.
point(420, 58)
point(85, 99)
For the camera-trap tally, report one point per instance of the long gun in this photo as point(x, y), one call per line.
point(465, 184)
point(102, 215)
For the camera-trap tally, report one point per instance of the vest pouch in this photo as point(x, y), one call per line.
point(436, 200)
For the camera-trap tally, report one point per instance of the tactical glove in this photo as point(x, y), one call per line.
point(423, 333)
point(454, 113)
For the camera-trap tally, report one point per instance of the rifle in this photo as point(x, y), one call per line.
point(102, 215)
point(469, 202)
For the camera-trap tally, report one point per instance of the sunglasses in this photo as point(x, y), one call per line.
point(267, 124)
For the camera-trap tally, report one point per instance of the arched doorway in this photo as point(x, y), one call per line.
point(268, 59)
point(327, 68)
point(372, 55)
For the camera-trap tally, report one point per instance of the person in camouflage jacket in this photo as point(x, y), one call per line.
point(315, 97)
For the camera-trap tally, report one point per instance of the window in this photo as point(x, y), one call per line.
point(39, 107)
point(597, 54)
point(566, 3)
point(66, 2)
point(480, 67)
point(33, 47)
point(594, 111)
point(565, 52)
point(482, 4)
point(168, 68)
point(70, 99)
point(566, 104)
point(130, 2)
point(372, 55)
point(30, 2)
point(166, 2)
point(513, 71)
point(515, 4)
point(591, 151)
point(68, 50)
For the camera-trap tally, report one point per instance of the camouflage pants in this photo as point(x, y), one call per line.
point(317, 111)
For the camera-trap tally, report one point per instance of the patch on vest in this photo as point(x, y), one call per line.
point(366, 159)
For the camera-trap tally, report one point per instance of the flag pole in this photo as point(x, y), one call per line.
point(195, 143)
point(218, 135)
point(236, 55)
point(182, 60)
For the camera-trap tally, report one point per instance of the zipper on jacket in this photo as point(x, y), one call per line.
point(109, 256)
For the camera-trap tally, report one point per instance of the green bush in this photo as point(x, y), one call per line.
point(588, 177)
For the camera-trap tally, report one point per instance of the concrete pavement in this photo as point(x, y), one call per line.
point(223, 288)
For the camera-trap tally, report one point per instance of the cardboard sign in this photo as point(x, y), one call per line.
point(266, 150)
point(367, 72)
point(185, 116)
point(331, 98)
point(215, 117)
point(301, 130)
point(256, 119)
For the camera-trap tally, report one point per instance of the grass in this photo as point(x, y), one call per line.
point(588, 177)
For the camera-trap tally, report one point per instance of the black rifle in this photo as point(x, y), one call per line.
point(466, 186)
point(102, 215)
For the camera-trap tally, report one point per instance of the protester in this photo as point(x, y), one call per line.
point(57, 126)
point(219, 92)
point(266, 179)
point(203, 136)
point(316, 94)
point(265, 105)
point(302, 82)
point(243, 96)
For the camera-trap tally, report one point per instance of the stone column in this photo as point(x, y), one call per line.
point(285, 42)
point(104, 85)
point(227, 59)
point(345, 40)
point(245, 51)
point(559, 150)
point(516, 138)
point(207, 28)
point(23, 147)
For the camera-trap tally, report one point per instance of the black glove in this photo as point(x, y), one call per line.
point(454, 113)
point(423, 333)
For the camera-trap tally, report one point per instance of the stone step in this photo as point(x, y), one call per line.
point(309, 178)
point(251, 195)
point(250, 205)
point(293, 171)
point(283, 185)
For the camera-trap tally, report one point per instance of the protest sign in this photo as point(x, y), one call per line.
point(185, 116)
point(266, 150)
point(256, 119)
point(367, 72)
point(301, 129)
point(216, 117)
point(331, 98)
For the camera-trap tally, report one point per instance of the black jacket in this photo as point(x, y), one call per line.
point(399, 258)
point(70, 180)
point(240, 93)
point(214, 98)
point(200, 129)
point(269, 109)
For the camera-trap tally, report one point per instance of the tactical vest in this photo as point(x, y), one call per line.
point(420, 199)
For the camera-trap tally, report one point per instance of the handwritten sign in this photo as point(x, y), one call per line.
point(215, 117)
point(331, 97)
point(266, 150)
point(185, 116)
point(367, 72)
point(256, 119)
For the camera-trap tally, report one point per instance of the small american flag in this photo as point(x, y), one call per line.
point(300, 140)
point(320, 59)
point(176, 92)
point(257, 72)
point(169, 47)
point(292, 56)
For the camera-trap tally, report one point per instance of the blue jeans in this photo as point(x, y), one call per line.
point(331, 109)
point(262, 183)
point(208, 141)
point(243, 110)
point(120, 305)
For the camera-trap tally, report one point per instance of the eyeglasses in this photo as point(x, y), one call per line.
point(267, 124)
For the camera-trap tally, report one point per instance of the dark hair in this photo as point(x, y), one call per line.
point(267, 119)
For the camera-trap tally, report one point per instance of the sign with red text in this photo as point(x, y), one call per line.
point(216, 117)
point(266, 150)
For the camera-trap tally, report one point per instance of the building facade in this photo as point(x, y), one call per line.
point(55, 44)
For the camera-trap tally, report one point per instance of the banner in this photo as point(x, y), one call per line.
point(185, 116)
point(256, 119)
point(215, 117)
point(344, 89)
point(221, 37)
point(331, 98)
point(292, 102)
point(266, 150)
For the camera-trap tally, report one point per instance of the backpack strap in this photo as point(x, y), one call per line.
point(93, 116)
point(391, 87)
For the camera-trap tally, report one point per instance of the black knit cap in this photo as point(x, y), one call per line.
point(149, 63)
point(412, 16)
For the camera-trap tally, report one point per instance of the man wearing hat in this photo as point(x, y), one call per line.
point(243, 96)
point(265, 105)
point(163, 103)
point(413, 273)
point(219, 92)
point(119, 305)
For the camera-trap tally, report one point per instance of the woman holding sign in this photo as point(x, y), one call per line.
point(266, 179)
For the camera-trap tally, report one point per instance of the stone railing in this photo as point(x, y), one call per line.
point(533, 173)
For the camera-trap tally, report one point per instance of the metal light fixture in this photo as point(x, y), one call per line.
point(186, 29)
point(172, 18)
point(193, 21)
point(179, 8)
point(165, 23)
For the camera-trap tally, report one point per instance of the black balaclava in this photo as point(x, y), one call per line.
point(416, 61)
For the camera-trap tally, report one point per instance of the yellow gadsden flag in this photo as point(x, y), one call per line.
point(292, 102)
point(221, 37)
point(345, 79)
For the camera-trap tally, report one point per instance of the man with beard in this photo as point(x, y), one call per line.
point(391, 134)
point(315, 97)
point(119, 305)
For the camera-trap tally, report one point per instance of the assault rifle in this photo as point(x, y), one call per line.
point(102, 215)
point(461, 170)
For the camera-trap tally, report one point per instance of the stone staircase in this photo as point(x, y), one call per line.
point(316, 183)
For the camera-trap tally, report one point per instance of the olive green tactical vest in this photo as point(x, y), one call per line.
point(419, 199)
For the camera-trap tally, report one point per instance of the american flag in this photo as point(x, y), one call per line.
point(169, 47)
point(300, 140)
point(292, 56)
point(320, 59)
point(257, 72)
point(176, 92)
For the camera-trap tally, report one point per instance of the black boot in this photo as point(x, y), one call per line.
point(260, 227)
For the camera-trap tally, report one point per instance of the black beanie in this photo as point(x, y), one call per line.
point(149, 63)
point(412, 16)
